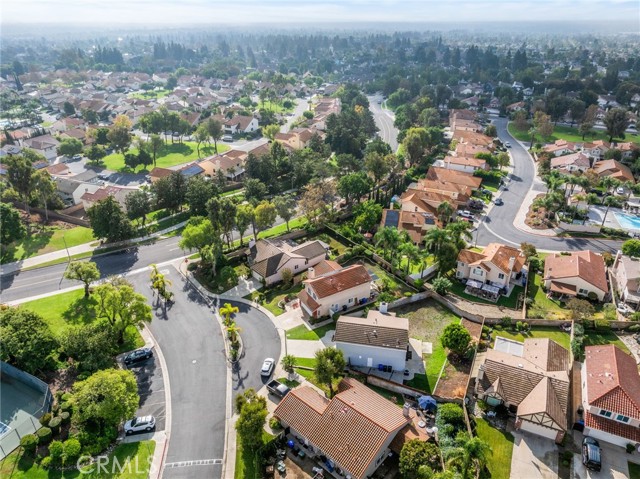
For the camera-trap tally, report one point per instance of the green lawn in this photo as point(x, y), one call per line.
point(420, 381)
point(274, 295)
point(294, 224)
point(386, 280)
point(45, 241)
point(567, 133)
point(508, 302)
point(302, 332)
point(70, 309)
point(551, 307)
point(276, 107)
point(150, 95)
point(171, 154)
point(127, 461)
point(634, 470)
point(555, 334)
point(502, 446)
point(246, 459)
point(592, 338)
point(427, 320)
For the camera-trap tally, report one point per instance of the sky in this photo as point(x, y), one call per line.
point(295, 12)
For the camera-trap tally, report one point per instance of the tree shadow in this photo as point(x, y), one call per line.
point(81, 311)
point(175, 148)
point(37, 240)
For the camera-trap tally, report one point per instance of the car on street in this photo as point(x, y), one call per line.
point(498, 202)
point(507, 144)
point(140, 424)
point(138, 356)
point(620, 190)
point(591, 453)
point(466, 214)
point(76, 157)
point(227, 138)
point(267, 367)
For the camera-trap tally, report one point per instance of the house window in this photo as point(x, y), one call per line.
point(583, 291)
point(350, 300)
point(605, 413)
point(622, 418)
point(306, 261)
point(458, 274)
point(295, 267)
point(500, 275)
point(460, 263)
point(478, 271)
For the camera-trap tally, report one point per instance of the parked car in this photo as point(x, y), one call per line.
point(277, 388)
point(507, 144)
point(138, 356)
point(140, 424)
point(227, 138)
point(267, 367)
point(620, 190)
point(76, 157)
point(465, 214)
point(498, 202)
point(591, 454)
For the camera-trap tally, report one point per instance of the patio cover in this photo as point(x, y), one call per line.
point(562, 288)
point(490, 289)
point(474, 284)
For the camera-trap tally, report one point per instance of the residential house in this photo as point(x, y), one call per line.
point(472, 137)
point(353, 430)
point(334, 291)
point(614, 169)
point(625, 276)
point(470, 151)
point(241, 124)
point(596, 149)
point(420, 201)
point(571, 163)
point(445, 175)
point(579, 273)
point(416, 224)
point(610, 395)
point(269, 257)
point(462, 163)
point(380, 338)
point(520, 105)
point(158, 173)
point(232, 168)
point(532, 380)
point(59, 169)
point(498, 265)
point(628, 150)
point(298, 138)
point(46, 145)
point(91, 198)
point(560, 147)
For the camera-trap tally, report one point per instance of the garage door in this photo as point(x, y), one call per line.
point(539, 430)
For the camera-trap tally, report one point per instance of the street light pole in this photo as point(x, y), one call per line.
point(66, 247)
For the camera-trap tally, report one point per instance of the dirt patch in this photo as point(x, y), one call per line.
point(475, 329)
point(36, 219)
point(427, 319)
point(537, 216)
point(453, 380)
point(61, 380)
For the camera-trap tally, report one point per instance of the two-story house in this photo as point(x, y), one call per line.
point(268, 258)
point(463, 164)
point(579, 273)
point(596, 149)
point(559, 148)
point(626, 279)
point(379, 339)
point(614, 169)
point(46, 145)
point(498, 265)
point(610, 387)
point(241, 124)
point(571, 163)
point(416, 224)
point(335, 290)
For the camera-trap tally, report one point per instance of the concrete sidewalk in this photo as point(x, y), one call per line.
point(94, 246)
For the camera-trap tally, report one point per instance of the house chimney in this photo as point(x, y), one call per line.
point(512, 262)
point(405, 409)
point(311, 273)
point(383, 307)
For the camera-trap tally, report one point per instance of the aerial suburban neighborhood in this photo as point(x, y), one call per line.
point(313, 249)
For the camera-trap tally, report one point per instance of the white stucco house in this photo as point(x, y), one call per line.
point(579, 273)
point(241, 124)
point(497, 265)
point(625, 275)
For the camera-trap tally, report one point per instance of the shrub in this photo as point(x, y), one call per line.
point(46, 462)
point(56, 452)
point(72, 450)
point(65, 406)
point(65, 397)
point(44, 435)
point(456, 338)
point(54, 424)
point(498, 327)
point(44, 420)
point(274, 424)
point(634, 328)
point(29, 442)
point(418, 283)
point(483, 406)
point(602, 325)
point(441, 285)
point(65, 416)
point(451, 413)
point(506, 322)
point(630, 447)
point(592, 296)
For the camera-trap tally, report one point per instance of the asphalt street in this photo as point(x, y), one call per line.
point(193, 348)
point(384, 122)
point(260, 340)
point(151, 390)
point(498, 225)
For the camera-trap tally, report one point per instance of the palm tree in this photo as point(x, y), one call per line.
point(628, 185)
point(608, 202)
point(470, 456)
point(435, 238)
point(445, 211)
point(592, 199)
point(411, 252)
point(459, 232)
point(232, 331)
point(554, 181)
point(609, 183)
point(388, 237)
point(227, 311)
point(288, 363)
point(579, 199)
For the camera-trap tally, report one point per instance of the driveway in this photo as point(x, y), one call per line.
point(534, 457)
point(614, 463)
point(151, 390)
point(192, 345)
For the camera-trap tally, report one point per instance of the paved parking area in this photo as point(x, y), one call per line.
point(151, 390)
point(614, 462)
point(534, 457)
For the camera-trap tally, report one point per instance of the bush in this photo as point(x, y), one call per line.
point(54, 424)
point(274, 424)
point(506, 322)
point(72, 450)
point(44, 435)
point(602, 325)
point(44, 420)
point(418, 283)
point(56, 452)
point(65, 406)
point(634, 328)
point(483, 406)
point(65, 416)
point(46, 462)
point(65, 397)
point(630, 447)
point(441, 285)
point(453, 414)
point(29, 442)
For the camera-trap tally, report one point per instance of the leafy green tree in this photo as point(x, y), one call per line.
point(270, 131)
point(105, 399)
point(108, 221)
point(170, 191)
point(456, 338)
point(245, 216)
point(90, 116)
point(415, 454)
point(470, 456)
point(70, 147)
point(21, 177)
point(388, 238)
point(25, 339)
point(330, 364)
point(11, 227)
point(250, 423)
point(581, 309)
point(83, 271)
point(254, 191)
point(222, 213)
point(214, 127)
point(199, 192)
point(354, 186)
point(491, 131)
point(131, 160)
point(367, 215)
point(265, 215)
point(285, 207)
point(138, 205)
point(442, 285)
point(201, 135)
point(631, 248)
point(616, 121)
point(198, 234)
point(155, 146)
point(121, 306)
point(377, 165)
point(68, 108)
point(445, 212)
point(348, 163)
point(120, 134)
point(288, 363)
point(93, 346)
point(95, 153)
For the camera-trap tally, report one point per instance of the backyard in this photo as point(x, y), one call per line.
point(171, 154)
point(246, 459)
point(502, 446)
point(47, 239)
point(549, 308)
point(385, 280)
point(127, 461)
point(304, 333)
point(427, 320)
point(556, 334)
point(510, 301)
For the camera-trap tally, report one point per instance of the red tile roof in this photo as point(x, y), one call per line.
point(341, 280)
point(612, 427)
point(586, 265)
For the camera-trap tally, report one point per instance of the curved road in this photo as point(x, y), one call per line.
point(384, 121)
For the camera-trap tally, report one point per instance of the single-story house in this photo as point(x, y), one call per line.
point(571, 163)
point(610, 386)
point(579, 273)
point(560, 147)
point(532, 380)
point(380, 338)
point(614, 169)
point(462, 163)
point(268, 258)
point(46, 145)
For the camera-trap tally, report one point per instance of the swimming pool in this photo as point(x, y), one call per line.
point(628, 222)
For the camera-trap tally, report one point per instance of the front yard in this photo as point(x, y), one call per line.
point(46, 240)
point(304, 333)
point(427, 320)
point(501, 442)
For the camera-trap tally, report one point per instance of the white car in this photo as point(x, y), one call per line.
point(620, 190)
point(267, 367)
point(465, 214)
point(139, 424)
point(507, 144)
